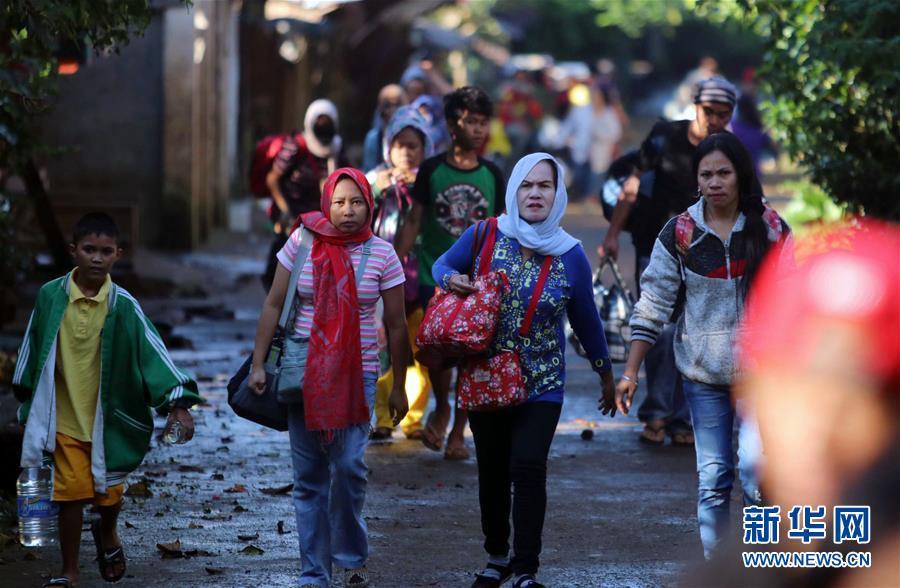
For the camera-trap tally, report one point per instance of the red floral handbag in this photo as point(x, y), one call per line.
point(489, 383)
point(457, 326)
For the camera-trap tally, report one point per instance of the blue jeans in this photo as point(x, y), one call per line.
point(715, 417)
point(665, 395)
point(329, 493)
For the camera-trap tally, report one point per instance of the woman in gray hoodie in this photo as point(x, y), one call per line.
point(702, 266)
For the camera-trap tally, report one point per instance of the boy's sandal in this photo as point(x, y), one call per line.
point(416, 435)
point(60, 581)
point(683, 438)
point(654, 433)
point(492, 576)
point(432, 436)
point(457, 453)
point(108, 560)
point(527, 581)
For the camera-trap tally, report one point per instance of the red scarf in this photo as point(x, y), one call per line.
point(333, 395)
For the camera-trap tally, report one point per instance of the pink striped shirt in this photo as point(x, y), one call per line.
point(383, 272)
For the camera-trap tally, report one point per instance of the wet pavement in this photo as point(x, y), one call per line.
point(218, 512)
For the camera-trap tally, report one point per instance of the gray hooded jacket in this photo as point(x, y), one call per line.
point(705, 332)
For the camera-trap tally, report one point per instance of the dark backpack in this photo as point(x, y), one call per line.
point(264, 155)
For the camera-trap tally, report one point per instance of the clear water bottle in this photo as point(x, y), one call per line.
point(38, 514)
point(175, 433)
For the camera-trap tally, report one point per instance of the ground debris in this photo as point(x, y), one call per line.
point(140, 489)
point(277, 490)
point(252, 537)
point(236, 488)
point(214, 571)
point(170, 550)
point(190, 468)
point(280, 528)
point(252, 550)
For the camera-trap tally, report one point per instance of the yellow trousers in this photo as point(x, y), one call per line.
point(417, 386)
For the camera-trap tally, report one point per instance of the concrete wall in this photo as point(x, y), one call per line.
point(153, 132)
point(107, 119)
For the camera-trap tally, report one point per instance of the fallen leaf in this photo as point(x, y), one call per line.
point(190, 468)
point(277, 490)
point(252, 550)
point(129, 525)
point(227, 439)
point(159, 514)
point(252, 537)
point(198, 553)
point(139, 489)
point(236, 488)
point(170, 550)
point(280, 528)
point(216, 517)
point(219, 477)
point(214, 571)
point(195, 526)
point(239, 508)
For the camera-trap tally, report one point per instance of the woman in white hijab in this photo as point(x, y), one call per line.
point(512, 443)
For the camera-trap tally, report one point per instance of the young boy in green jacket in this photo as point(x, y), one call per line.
point(94, 366)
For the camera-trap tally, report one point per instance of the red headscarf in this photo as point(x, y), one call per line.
point(333, 394)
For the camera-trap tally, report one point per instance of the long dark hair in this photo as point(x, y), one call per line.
point(750, 202)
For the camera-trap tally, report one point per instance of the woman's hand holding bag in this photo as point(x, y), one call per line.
point(462, 322)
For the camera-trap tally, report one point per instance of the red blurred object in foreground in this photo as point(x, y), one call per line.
point(850, 274)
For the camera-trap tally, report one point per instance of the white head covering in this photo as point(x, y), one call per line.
point(545, 237)
point(314, 111)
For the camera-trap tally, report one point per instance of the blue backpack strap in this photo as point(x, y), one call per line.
point(363, 260)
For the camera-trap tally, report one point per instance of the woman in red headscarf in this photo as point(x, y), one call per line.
point(331, 349)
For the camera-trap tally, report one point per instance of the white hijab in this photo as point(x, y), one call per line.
point(316, 109)
point(545, 237)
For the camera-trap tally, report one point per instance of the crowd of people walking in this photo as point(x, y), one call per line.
point(358, 261)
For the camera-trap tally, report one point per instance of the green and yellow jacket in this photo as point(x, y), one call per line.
point(136, 373)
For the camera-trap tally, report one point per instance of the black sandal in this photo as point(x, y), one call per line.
point(528, 581)
point(492, 576)
point(108, 560)
point(59, 581)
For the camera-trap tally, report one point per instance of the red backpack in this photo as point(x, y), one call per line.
point(264, 155)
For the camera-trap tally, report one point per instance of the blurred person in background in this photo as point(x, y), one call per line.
point(577, 134)
point(748, 126)
point(420, 79)
point(666, 157)
point(706, 260)
point(680, 106)
point(390, 98)
point(606, 81)
point(820, 356)
point(520, 113)
point(432, 110)
point(299, 171)
point(406, 144)
point(606, 132)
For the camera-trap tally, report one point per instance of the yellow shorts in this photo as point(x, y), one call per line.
point(72, 479)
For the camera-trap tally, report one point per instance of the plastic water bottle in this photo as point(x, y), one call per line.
point(175, 433)
point(38, 514)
